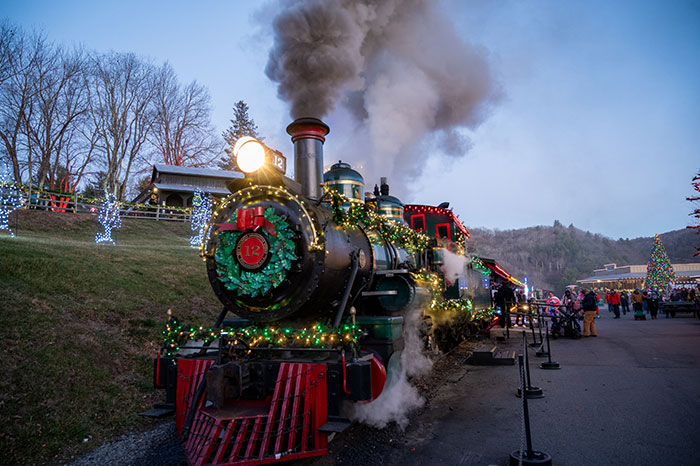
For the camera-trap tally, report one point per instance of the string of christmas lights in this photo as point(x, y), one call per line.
point(696, 212)
point(360, 214)
point(461, 245)
point(109, 218)
point(479, 265)
point(317, 240)
point(201, 211)
point(177, 335)
point(659, 269)
point(460, 306)
point(97, 201)
point(10, 198)
point(428, 209)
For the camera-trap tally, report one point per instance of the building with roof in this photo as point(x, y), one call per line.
point(629, 277)
point(174, 186)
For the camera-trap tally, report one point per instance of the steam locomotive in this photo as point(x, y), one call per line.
point(315, 278)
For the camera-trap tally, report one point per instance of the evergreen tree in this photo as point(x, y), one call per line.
point(241, 125)
point(659, 269)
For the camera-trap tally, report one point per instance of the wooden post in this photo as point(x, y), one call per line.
point(75, 203)
point(29, 196)
point(158, 212)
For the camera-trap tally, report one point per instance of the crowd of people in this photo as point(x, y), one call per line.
point(638, 302)
point(647, 301)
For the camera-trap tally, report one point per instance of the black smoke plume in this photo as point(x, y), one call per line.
point(397, 66)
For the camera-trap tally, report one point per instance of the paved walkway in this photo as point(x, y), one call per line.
point(629, 397)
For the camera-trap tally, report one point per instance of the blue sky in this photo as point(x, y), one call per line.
point(598, 124)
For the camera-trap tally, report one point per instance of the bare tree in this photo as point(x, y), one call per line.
point(10, 40)
point(59, 99)
point(182, 132)
point(120, 108)
point(19, 55)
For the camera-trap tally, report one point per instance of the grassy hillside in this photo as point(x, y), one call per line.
point(553, 257)
point(80, 323)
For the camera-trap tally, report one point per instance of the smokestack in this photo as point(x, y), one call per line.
point(308, 136)
point(383, 187)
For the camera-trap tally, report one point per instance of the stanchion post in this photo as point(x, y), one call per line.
point(506, 316)
point(532, 327)
point(540, 353)
point(530, 391)
point(549, 364)
point(529, 456)
point(528, 434)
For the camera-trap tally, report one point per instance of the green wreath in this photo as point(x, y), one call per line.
point(256, 283)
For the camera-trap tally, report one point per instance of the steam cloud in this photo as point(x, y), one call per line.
point(453, 265)
point(396, 66)
point(399, 397)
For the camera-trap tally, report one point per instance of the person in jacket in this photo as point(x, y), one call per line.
point(624, 303)
point(653, 303)
point(637, 306)
point(614, 301)
point(568, 301)
point(607, 300)
point(552, 304)
point(590, 308)
point(578, 300)
point(505, 297)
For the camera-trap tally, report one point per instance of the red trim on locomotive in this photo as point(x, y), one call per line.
point(378, 376)
point(437, 231)
point(283, 427)
point(308, 128)
point(422, 218)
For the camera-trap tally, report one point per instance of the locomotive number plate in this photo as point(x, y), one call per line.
point(252, 251)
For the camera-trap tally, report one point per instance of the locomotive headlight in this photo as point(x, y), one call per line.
point(249, 153)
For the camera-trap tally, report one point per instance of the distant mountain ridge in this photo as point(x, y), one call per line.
point(555, 256)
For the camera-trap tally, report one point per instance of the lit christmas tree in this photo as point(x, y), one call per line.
point(109, 219)
point(10, 198)
point(201, 211)
point(659, 269)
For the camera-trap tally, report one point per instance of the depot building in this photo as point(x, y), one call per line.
point(630, 277)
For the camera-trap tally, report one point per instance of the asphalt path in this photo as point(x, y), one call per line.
point(631, 396)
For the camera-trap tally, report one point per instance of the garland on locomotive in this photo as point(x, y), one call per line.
point(318, 282)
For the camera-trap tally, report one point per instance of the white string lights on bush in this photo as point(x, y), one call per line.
point(201, 212)
point(11, 198)
point(109, 218)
